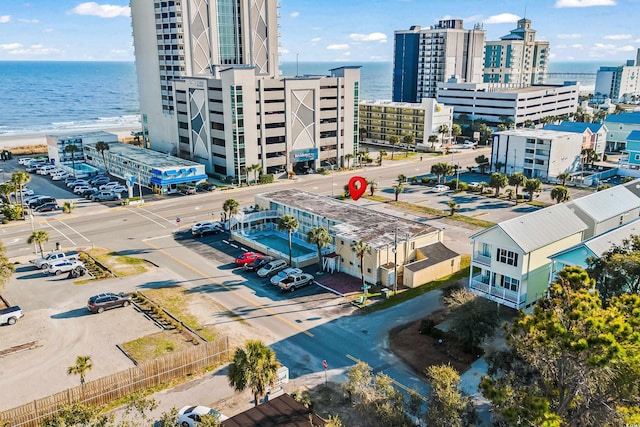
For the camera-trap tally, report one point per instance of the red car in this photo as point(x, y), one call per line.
point(247, 258)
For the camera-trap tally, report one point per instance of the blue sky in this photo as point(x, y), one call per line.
point(330, 30)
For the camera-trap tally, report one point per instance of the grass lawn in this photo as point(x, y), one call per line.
point(121, 265)
point(156, 345)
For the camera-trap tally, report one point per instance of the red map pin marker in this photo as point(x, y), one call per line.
point(357, 187)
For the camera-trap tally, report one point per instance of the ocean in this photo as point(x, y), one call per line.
point(48, 96)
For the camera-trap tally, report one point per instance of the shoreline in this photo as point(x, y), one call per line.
point(39, 138)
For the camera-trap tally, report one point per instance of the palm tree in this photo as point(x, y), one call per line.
point(348, 158)
point(408, 140)
point(255, 168)
point(532, 186)
point(564, 176)
point(432, 140)
point(456, 131)
point(230, 208)
point(83, 364)
point(485, 132)
point(373, 185)
point(320, 237)
point(381, 154)
point(528, 123)
point(482, 162)
point(254, 366)
point(289, 224)
point(560, 194)
point(589, 155)
point(498, 180)
point(6, 268)
point(452, 206)
point(72, 149)
point(101, 147)
point(360, 248)
point(502, 127)
point(39, 237)
point(443, 130)
point(393, 140)
point(6, 188)
point(19, 179)
point(397, 189)
point(442, 170)
point(517, 180)
point(68, 207)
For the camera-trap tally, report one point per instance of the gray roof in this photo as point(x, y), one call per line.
point(434, 254)
point(353, 222)
point(541, 228)
point(608, 203)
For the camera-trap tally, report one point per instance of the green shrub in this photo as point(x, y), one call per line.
point(426, 326)
point(414, 180)
point(266, 178)
point(11, 211)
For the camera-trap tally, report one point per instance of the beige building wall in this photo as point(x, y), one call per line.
point(412, 279)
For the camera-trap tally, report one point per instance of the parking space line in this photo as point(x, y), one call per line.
point(61, 233)
point(145, 217)
point(248, 300)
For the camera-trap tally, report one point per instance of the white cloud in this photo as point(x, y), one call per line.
point(316, 39)
point(584, 3)
point(294, 14)
point(617, 37)
point(283, 51)
point(552, 55)
point(627, 48)
point(577, 46)
point(569, 36)
point(603, 46)
point(371, 37)
point(10, 46)
point(346, 54)
point(29, 21)
point(48, 30)
point(343, 46)
point(102, 10)
point(559, 46)
point(4, 19)
point(502, 18)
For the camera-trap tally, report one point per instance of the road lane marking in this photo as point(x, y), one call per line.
point(402, 386)
point(248, 300)
point(155, 214)
point(61, 233)
point(147, 218)
point(74, 230)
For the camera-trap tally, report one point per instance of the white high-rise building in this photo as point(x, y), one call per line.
point(517, 57)
point(620, 84)
point(178, 38)
point(210, 91)
point(424, 57)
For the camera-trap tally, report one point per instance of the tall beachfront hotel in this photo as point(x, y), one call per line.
point(210, 90)
point(424, 57)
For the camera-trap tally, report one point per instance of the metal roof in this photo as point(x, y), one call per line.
point(541, 228)
point(607, 204)
point(577, 127)
point(634, 135)
point(375, 228)
point(629, 118)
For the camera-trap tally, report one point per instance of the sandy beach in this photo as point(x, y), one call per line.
point(9, 141)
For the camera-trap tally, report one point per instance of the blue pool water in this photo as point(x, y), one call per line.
point(83, 167)
point(281, 244)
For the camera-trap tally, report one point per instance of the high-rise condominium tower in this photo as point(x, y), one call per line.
point(517, 57)
point(425, 57)
point(178, 38)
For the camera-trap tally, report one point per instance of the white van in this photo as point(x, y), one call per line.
point(46, 169)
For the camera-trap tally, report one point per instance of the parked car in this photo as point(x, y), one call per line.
point(109, 184)
point(39, 201)
point(440, 188)
point(188, 189)
point(272, 268)
point(295, 281)
point(212, 228)
point(118, 189)
point(99, 180)
point(54, 257)
point(24, 160)
point(88, 194)
point(10, 315)
point(205, 186)
point(101, 302)
point(64, 266)
point(75, 182)
point(258, 263)
point(47, 207)
point(247, 257)
point(26, 192)
point(33, 166)
point(45, 169)
point(79, 189)
point(59, 176)
point(101, 196)
point(283, 274)
point(201, 224)
point(190, 416)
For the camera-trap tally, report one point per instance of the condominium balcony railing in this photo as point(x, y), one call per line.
point(503, 296)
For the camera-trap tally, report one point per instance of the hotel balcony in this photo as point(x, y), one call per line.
point(500, 295)
point(482, 259)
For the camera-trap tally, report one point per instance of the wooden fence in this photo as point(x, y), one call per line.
point(104, 390)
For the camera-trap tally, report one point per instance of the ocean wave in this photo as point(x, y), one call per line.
point(99, 123)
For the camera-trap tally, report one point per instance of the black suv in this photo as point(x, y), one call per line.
point(101, 302)
point(258, 263)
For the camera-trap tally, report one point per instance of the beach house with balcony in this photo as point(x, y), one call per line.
point(606, 210)
point(510, 261)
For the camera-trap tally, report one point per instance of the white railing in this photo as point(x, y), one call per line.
point(482, 259)
point(509, 298)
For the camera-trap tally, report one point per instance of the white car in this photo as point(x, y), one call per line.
point(79, 189)
point(190, 416)
point(59, 176)
point(291, 271)
point(26, 192)
point(24, 160)
point(109, 185)
point(118, 189)
point(198, 225)
point(440, 188)
point(64, 267)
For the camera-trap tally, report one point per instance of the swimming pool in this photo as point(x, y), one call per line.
point(281, 244)
point(83, 167)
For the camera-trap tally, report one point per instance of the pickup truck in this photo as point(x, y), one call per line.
point(295, 281)
point(10, 315)
point(53, 258)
